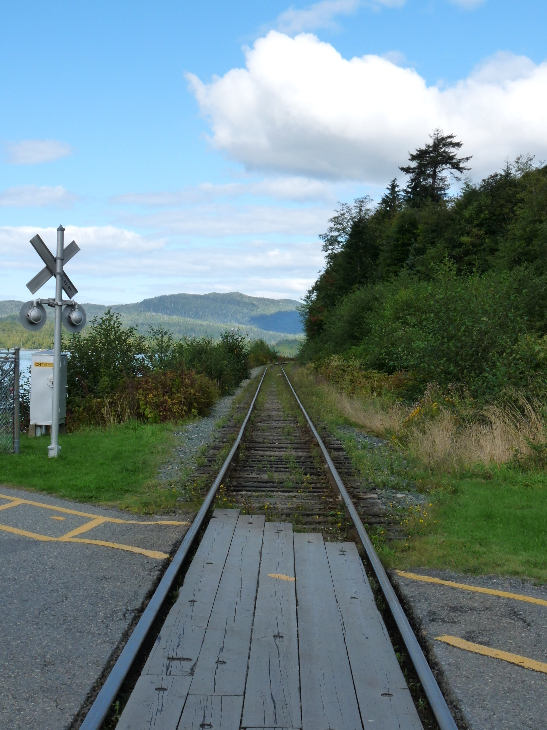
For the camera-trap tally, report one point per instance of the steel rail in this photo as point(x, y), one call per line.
point(429, 683)
point(100, 707)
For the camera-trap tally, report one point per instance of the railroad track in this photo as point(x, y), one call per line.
point(280, 471)
point(280, 467)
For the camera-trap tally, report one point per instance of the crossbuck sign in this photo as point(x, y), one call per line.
point(69, 313)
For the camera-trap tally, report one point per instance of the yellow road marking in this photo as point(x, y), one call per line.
point(54, 517)
point(280, 576)
point(116, 520)
point(11, 504)
point(117, 546)
point(84, 528)
point(506, 656)
point(26, 533)
point(474, 589)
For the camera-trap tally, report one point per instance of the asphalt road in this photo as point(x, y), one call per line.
point(65, 602)
point(492, 693)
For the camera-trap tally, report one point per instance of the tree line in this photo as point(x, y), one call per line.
point(450, 287)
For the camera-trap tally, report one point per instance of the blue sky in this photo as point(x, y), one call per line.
point(202, 146)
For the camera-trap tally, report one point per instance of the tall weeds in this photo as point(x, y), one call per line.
point(447, 432)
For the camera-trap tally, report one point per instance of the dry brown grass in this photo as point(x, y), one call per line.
point(500, 433)
point(495, 435)
point(375, 416)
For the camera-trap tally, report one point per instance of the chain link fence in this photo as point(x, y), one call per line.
point(9, 402)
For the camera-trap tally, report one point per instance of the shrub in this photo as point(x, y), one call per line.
point(450, 329)
point(172, 395)
point(260, 353)
point(102, 357)
point(155, 397)
point(115, 374)
point(224, 362)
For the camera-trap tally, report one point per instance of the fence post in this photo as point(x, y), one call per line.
point(16, 409)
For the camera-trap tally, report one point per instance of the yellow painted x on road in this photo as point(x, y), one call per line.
point(94, 521)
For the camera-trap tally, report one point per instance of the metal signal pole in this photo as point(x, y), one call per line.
point(54, 449)
point(72, 317)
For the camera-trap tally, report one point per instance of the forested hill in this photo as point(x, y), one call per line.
point(198, 315)
point(214, 307)
point(452, 289)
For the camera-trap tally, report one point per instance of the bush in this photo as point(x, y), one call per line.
point(172, 395)
point(102, 357)
point(450, 330)
point(260, 353)
point(224, 362)
point(153, 398)
point(115, 374)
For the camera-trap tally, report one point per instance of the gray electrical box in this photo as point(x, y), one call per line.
point(41, 389)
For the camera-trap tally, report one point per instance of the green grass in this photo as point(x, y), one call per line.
point(480, 521)
point(489, 522)
point(115, 466)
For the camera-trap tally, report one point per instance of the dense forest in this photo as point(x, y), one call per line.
point(445, 288)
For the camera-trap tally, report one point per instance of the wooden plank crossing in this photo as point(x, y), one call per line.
point(271, 631)
point(377, 676)
point(178, 645)
point(212, 712)
point(272, 693)
point(222, 664)
point(328, 696)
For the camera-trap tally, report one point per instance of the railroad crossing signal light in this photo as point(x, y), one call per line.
point(74, 318)
point(33, 316)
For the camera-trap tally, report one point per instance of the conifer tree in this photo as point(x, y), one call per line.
point(392, 199)
point(427, 178)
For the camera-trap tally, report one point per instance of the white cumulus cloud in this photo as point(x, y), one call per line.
point(34, 151)
point(300, 108)
point(35, 196)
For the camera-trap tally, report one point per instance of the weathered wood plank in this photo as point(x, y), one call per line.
point(328, 695)
point(156, 702)
point(221, 668)
point(177, 647)
point(383, 696)
point(272, 692)
point(211, 712)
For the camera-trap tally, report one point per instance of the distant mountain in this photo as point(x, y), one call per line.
point(288, 322)
point(198, 315)
point(232, 307)
point(9, 306)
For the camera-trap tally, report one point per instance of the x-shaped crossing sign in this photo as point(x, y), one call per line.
point(49, 269)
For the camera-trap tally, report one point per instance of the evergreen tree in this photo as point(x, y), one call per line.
point(428, 180)
point(392, 199)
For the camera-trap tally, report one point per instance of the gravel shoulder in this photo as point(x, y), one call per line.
point(194, 436)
